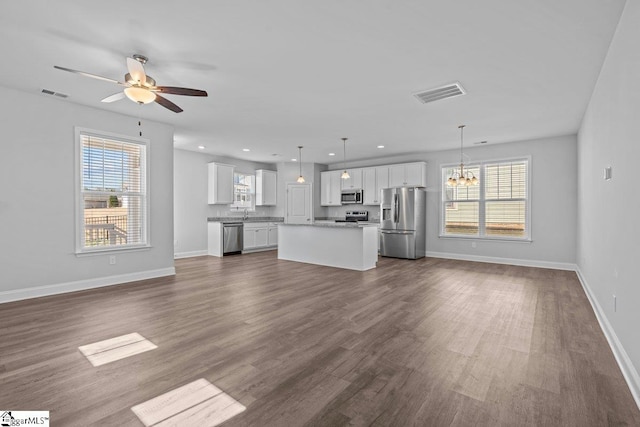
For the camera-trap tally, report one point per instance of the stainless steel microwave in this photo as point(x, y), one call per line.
point(349, 197)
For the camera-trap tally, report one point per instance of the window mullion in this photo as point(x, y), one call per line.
point(481, 204)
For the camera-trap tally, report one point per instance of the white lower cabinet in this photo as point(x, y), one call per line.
point(260, 235)
point(273, 234)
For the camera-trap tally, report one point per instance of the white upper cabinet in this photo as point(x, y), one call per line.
point(354, 181)
point(374, 179)
point(266, 184)
point(414, 174)
point(220, 184)
point(330, 188)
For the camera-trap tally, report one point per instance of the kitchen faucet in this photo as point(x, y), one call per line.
point(246, 214)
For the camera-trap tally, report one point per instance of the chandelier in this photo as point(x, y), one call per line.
point(461, 177)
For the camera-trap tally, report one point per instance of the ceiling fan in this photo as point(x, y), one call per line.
point(140, 87)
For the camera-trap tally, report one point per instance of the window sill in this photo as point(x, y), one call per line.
point(105, 251)
point(487, 239)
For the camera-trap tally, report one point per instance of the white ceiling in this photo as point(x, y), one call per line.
point(283, 73)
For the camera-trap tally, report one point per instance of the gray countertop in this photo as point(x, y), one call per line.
point(229, 219)
point(336, 225)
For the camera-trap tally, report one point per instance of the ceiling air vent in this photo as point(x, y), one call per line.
point(58, 94)
point(442, 92)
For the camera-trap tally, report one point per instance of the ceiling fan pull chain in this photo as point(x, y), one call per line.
point(139, 122)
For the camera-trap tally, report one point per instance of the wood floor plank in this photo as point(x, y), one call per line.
point(110, 344)
point(427, 342)
point(119, 353)
point(175, 401)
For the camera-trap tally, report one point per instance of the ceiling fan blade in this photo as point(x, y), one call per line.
point(115, 97)
point(94, 76)
point(136, 70)
point(168, 104)
point(180, 91)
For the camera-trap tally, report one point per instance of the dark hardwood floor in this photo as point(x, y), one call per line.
point(429, 342)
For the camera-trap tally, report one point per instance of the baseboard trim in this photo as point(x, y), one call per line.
point(624, 362)
point(268, 248)
point(81, 285)
point(508, 261)
point(191, 254)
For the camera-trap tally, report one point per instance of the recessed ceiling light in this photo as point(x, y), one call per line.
point(245, 149)
point(380, 146)
point(202, 147)
point(294, 160)
point(332, 154)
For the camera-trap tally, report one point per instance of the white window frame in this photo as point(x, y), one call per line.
point(482, 201)
point(81, 249)
point(237, 207)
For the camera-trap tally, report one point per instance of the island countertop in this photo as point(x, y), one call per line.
point(231, 219)
point(344, 245)
point(335, 225)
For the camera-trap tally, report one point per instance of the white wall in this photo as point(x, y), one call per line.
point(191, 208)
point(288, 172)
point(553, 201)
point(37, 207)
point(608, 230)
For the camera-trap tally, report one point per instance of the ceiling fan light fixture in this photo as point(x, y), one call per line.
point(140, 95)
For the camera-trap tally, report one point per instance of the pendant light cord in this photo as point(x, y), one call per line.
point(344, 152)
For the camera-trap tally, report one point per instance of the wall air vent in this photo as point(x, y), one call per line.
point(58, 94)
point(442, 92)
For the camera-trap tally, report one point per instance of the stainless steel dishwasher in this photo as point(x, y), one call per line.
point(232, 239)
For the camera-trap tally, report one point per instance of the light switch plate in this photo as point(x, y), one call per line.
point(607, 173)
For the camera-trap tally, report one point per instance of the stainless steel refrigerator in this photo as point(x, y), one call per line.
point(403, 228)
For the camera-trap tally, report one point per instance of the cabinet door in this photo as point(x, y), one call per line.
point(273, 235)
point(330, 188)
point(396, 176)
point(262, 237)
point(266, 184)
point(415, 174)
point(382, 181)
point(325, 188)
point(220, 184)
point(354, 181)
point(248, 238)
point(369, 186)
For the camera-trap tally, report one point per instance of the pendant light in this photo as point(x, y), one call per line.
point(300, 179)
point(345, 174)
point(462, 178)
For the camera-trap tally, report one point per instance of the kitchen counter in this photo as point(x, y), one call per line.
point(351, 246)
point(336, 225)
point(230, 219)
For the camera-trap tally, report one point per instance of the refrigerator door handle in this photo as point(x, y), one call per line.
point(396, 232)
point(396, 212)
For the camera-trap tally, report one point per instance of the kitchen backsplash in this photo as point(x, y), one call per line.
point(225, 210)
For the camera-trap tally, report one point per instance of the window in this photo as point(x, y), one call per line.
point(498, 207)
point(244, 191)
point(112, 192)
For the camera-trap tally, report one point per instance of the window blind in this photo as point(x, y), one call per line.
point(497, 207)
point(113, 191)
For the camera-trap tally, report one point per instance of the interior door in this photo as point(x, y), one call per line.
point(299, 204)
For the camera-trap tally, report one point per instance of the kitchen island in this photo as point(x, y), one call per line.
point(344, 245)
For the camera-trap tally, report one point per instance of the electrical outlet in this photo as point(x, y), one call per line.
point(112, 259)
point(615, 304)
point(473, 244)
